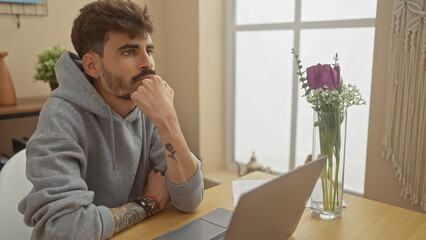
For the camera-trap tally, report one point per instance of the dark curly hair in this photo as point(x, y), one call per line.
point(96, 19)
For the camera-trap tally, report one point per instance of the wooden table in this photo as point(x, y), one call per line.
point(362, 219)
point(25, 107)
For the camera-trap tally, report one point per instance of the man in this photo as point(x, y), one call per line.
point(108, 134)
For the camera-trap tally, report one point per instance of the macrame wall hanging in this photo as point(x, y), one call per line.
point(405, 122)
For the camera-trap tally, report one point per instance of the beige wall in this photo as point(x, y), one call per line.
point(176, 55)
point(34, 36)
point(212, 99)
point(380, 181)
point(189, 43)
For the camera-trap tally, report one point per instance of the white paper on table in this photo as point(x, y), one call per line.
point(239, 187)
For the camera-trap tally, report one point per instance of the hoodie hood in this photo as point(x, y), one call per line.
point(75, 87)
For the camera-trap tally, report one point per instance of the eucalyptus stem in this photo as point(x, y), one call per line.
point(329, 133)
point(336, 185)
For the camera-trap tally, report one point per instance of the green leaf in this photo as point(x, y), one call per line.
point(300, 66)
point(305, 85)
point(45, 67)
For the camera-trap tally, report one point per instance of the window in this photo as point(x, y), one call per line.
point(265, 111)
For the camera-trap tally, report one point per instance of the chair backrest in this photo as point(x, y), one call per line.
point(14, 185)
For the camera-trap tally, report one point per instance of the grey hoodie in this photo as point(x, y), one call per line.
point(84, 158)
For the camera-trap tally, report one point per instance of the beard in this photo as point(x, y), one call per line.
point(121, 87)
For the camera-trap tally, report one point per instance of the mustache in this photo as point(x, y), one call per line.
point(143, 73)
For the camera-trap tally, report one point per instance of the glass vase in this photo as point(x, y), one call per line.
point(329, 139)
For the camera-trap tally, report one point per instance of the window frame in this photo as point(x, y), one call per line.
point(231, 28)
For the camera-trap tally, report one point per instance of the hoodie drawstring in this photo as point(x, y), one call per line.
point(111, 127)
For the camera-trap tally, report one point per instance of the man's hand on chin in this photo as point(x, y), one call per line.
point(154, 97)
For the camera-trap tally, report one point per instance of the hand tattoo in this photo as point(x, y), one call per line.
point(169, 147)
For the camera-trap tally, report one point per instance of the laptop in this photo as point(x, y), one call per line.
point(270, 211)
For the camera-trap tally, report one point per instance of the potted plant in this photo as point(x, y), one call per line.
point(45, 66)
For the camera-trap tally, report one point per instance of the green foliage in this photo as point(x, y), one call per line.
point(45, 67)
point(299, 72)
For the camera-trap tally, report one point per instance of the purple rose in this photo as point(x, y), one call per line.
point(319, 76)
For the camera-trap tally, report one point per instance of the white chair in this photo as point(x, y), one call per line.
point(14, 185)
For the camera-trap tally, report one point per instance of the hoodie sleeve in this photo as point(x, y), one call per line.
point(186, 197)
point(60, 205)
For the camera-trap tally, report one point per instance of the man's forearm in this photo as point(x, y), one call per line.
point(127, 216)
point(181, 166)
point(155, 99)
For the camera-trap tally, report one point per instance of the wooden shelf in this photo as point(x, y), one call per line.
point(25, 107)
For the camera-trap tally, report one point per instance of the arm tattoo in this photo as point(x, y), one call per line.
point(170, 149)
point(127, 216)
